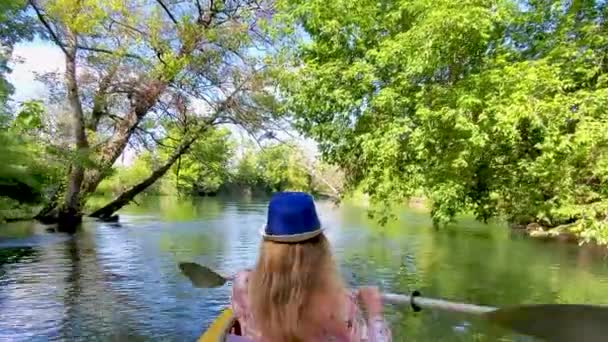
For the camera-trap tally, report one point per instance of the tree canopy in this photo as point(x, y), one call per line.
point(490, 107)
point(154, 78)
point(133, 69)
point(494, 108)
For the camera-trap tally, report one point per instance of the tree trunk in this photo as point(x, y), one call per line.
point(179, 166)
point(69, 214)
point(116, 145)
point(143, 100)
point(128, 195)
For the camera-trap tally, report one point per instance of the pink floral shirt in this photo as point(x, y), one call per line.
point(359, 330)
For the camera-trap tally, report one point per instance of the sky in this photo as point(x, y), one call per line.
point(32, 58)
point(39, 57)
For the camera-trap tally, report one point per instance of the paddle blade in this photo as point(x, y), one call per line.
point(555, 322)
point(201, 276)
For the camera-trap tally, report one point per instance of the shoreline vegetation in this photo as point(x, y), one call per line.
point(562, 234)
point(503, 118)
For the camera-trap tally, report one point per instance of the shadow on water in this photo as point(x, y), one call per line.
point(14, 255)
point(469, 262)
point(87, 286)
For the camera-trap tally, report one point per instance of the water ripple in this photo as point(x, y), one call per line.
point(121, 281)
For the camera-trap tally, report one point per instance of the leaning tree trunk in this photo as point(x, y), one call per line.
point(110, 152)
point(127, 196)
point(69, 214)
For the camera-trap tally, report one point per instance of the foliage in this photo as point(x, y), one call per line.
point(326, 179)
point(29, 169)
point(211, 165)
point(23, 159)
point(275, 167)
point(246, 172)
point(135, 67)
point(26, 170)
point(282, 168)
point(492, 107)
point(15, 25)
point(123, 177)
point(206, 166)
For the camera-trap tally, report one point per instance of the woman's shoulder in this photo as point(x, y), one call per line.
point(351, 298)
point(240, 280)
point(240, 299)
point(352, 312)
point(242, 274)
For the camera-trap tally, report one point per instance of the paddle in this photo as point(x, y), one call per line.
point(553, 322)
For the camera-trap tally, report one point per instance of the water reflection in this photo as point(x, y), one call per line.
point(13, 255)
point(121, 281)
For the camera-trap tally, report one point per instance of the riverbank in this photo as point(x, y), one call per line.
point(420, 204)
point(11, 211)
point(560, 233)
point(567, 233)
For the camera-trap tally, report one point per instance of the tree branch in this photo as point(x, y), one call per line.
point(110, 52)
point(48, 27)
point(127, 26)
point(160, 2)
point(62, 45)
point(99, 100)
point(203, 18)
point(200, 9)
point(154, 138)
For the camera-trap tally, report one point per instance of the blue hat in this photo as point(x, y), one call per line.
point(292, 217)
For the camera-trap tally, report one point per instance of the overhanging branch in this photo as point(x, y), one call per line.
point(48, 27)
point(110, 52)
point(166, 9)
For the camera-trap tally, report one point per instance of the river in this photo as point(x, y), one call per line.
point(120, 281)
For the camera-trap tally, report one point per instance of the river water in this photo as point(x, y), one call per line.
point(115, 282)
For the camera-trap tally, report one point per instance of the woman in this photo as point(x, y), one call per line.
point(294, 294)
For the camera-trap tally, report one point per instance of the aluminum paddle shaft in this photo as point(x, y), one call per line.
point(430, 303)
point(552, 322)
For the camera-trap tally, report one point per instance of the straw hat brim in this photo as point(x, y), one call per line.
point(293, 238)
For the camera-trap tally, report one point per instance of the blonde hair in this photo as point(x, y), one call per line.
point(295, 290)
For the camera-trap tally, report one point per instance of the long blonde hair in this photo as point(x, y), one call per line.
point(295, 290)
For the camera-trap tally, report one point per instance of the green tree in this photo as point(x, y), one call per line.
point(281, 168)
point(15, 26)
point(25, 169)
point(29, 168)
point(124, 177)
point(206, 167)
point(247, 172)
point(131, 66)
point(495, 108)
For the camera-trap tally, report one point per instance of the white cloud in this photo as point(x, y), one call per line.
point(34, 57)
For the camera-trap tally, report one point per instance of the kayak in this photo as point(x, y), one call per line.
point(225, 328)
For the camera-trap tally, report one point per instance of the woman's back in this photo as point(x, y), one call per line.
point(295, 294)
point(356, 327)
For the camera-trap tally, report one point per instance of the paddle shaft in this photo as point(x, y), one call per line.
point(431, 303)
point(205, 277)
point(552, 322)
